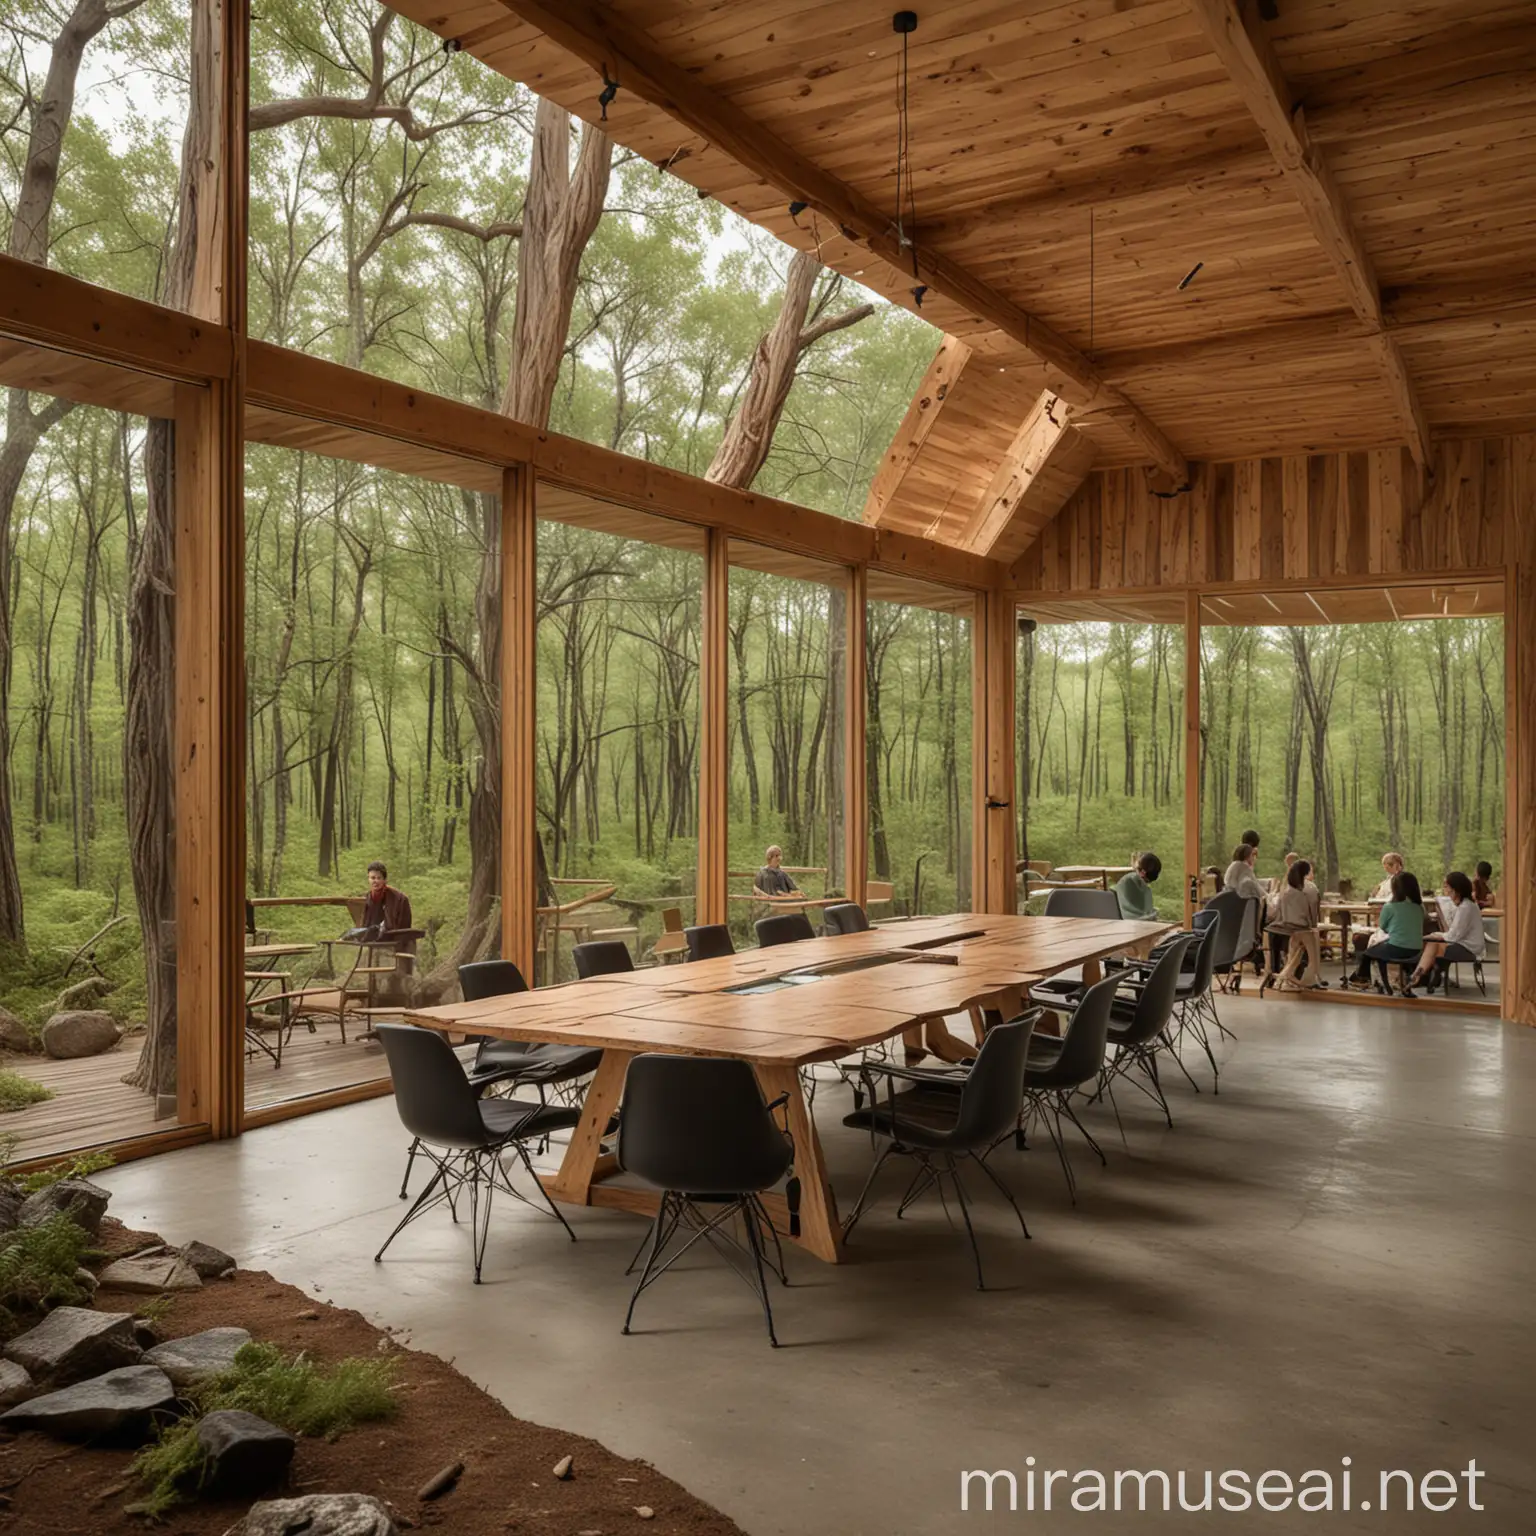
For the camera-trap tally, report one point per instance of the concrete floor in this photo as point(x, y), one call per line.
point(1332, 1258)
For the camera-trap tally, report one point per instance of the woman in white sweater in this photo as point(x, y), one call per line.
point(1463, 937)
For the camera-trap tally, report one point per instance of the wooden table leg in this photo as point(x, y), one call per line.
point(1092, 972)
point(573, 1183)
point(821, 1232)
point(941, 1043)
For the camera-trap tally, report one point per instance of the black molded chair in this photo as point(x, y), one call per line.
point(1077, 901)
point(936, 1126)
point(1138, 1029)
point(1056, 1069)
point(463, 1135)
point(1194, 997)
point(602, 957)
point(845, 917)
point(697, 1129)
point(783, 928)
point(709, 941)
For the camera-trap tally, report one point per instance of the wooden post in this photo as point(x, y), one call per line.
point(993, 749)
point(519, 865)
point(714, 722)
point(1517, 879)
point(855, 769)
point(1191, 752)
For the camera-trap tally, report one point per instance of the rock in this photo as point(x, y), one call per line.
point(645, 1511)
point(91, 989)
point(563, 1469)
point(11, 1202)
point(83, 1202)
point(318, 1514)
point(86, 1280)
point(122, 1404)
point(15, 1384)
point(245, 1454)
point(14, 1035)
point(442, 1482)
point(308, 1315)
point(198, 1355)
point(209, 1262)
point(145, 1334)
point(81, 1032)
point(151, 1274)
point(74, 1343)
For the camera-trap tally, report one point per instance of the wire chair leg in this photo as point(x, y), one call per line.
point(759, 1212)
point(1065, 1107)
point(1053, 1130)
point(1003, 1190)
point(480, 1220)
point(869, 1184)
point(439, 1177)
point(650, 1258)
point(755, 1241)
point(965, 1212)
point(538, 1184)
point(410, 1157)
point(1178, 1061)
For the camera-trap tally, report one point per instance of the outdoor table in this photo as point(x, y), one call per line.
point(926, 968)
point(275, 952)
point(1103, 873)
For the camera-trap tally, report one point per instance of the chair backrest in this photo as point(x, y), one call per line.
point(432, 1094)
point(1071, 901)
point(783, 928)
point(708, 941)
point(602, 957)
point(1154, 1005)
point(1228, 909)
point(1083, 1046)
point(250, 916)
point(698, 1124)
point(1248, 932)
point(672, 919)
point(1203, 948)
point(994, 1091)
point(845, 917)
point(879, 892)
point(490, 978)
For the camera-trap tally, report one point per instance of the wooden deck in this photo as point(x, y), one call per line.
point(95, 1107)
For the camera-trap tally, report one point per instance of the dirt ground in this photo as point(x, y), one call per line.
point(507, 1484)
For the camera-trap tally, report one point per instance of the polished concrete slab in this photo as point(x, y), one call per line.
point(1332, 1258)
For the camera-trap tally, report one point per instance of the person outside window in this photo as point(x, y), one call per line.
point(1463, 938)
point(1483, 892)
point(1402, 921)
point(771, 879)
point(1134, 890)
point(1239, 875)
point(1297, 913)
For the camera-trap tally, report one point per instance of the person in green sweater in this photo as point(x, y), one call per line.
point(1402, 921)
point(1134, 891)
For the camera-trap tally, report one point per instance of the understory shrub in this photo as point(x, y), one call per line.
point(17, 1092)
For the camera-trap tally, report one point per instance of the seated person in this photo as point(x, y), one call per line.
point(385, 911)
point(1360, 978)
point(1483, 892)
point(1463, 938)
point(1297, 912)
point(1134, 891)
point(1239, 874)
point(771, 880)
point(1402, 921)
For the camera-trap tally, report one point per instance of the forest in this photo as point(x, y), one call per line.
point(415, 215)
point(1337, 741)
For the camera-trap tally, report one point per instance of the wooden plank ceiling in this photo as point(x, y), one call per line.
point(1351, 182)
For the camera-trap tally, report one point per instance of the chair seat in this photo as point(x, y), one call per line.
point(521, 1117)
point(500, 1059)
point(924, 1117)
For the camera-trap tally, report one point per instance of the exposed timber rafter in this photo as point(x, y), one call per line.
point(1046, 461)
point(1250, 60)
point(942, 375)
point(620, 52)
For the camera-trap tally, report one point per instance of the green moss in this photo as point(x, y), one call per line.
point(17, 1092)
point(37, 1271)
point(295, 1394)
point(81, 1167)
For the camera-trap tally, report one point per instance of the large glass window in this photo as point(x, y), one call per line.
point(788, 743)
point(89, 1031)
point(1100, 733)
point(616, 767)
point(374, 737)
point(919, 678)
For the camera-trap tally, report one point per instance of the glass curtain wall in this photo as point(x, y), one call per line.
point(919, 676)
point(618, 630)
point(1100, 744)
point(374, 736)
point(88, 1005)
point(787, 733)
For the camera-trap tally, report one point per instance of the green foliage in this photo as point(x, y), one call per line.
point(80, 1167)
point(37, 1271)
point(17, 1092)
point(295, 1394)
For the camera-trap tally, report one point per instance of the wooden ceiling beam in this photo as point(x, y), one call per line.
point(1250, 60)
point(1046, 461)
point(943, 373)
point(592, 33)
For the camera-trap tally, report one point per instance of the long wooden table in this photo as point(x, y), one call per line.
point(936, 966)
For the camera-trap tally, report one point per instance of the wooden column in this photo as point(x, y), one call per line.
point(995, 651)
point(210, 637)
point(855, 768)
point(519, 694)
point(714, 722)
point(1191, 749)
point(1517, 879)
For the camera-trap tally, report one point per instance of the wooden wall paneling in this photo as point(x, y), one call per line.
point(519, 703)
point(1497, 457)
point(855, 764)
point(944, 371)
point(1112, 525)
point(1295, 516)
point(994, 753)
point(714, 717)
point(1357, 471)
point(1223, 522)
point(1386, 492)
point(1171, 564)
point(1247, 519)
point(1271, 519)
point(1200, 530)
